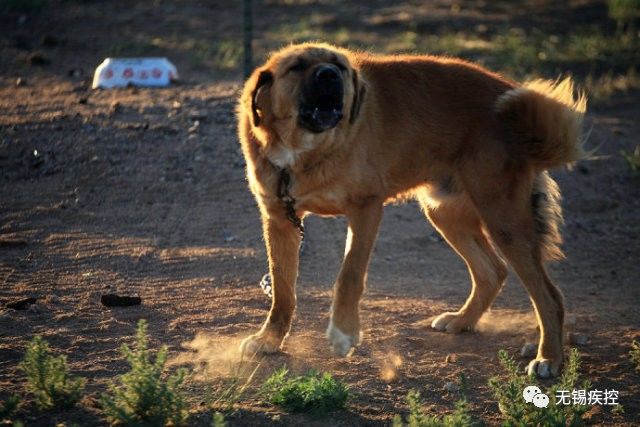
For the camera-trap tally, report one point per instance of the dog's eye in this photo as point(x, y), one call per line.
point(298, 66)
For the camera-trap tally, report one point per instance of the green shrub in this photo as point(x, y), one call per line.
point(417, 418)
point(460, 417)
point(517, 412)
point(633, 158)
point(624, 12)
point(313, 392)
point(218, 420)
point(144, 397)
point(9, 407)
point(634, 354)
point(48, 377)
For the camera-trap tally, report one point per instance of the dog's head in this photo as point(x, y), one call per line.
point(313, 87)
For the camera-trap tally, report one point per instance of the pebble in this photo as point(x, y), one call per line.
point(530, 349)
point(21, 82)
point(75, 73)
point(451, 387)
point(451, 358)
point(33, 309)
point(578, 338)
point(37, 58)
point(194, 128)
point(114, 107)
point(229, 236)
point(198, 115)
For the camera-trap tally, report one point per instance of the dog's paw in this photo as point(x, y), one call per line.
point(543, 368)
point(259, 344)
point(342, 344)
point(452, 322)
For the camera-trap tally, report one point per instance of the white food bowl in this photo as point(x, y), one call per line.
point(123, 72)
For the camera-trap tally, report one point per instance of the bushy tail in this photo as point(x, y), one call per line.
point(545, 201)
point(543, 122)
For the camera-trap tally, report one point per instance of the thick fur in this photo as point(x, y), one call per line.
point(472, 147)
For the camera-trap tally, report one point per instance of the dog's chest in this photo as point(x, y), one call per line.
point(322, 203)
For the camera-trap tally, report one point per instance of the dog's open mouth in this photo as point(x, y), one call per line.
point(319, 117)
point(320, 107)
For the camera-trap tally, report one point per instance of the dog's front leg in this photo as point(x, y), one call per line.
point(282, 239)
point(344, 327)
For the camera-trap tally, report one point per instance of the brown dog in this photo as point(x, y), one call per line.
point(333, 132)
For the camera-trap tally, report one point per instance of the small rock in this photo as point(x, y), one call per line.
point(37, 59)
point(451, 387)
point(8, 242)
point(529, 350)
point(21, 304)
point(194, 128)
point(114, 107)
point(176, 105)
point(578, 338)
point(451, 358)
point(229, 236)
point(33, 309)
point(75, 73)
point(113, 300)
point(49, 41)
point(435, 238)
point(21, 82)
point(197, 115)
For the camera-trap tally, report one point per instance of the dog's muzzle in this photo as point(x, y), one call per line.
point(321, 103)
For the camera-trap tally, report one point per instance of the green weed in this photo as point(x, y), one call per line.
point(517, 412)
point(633, 159)
point(218, 420)
point(625, 12)
point(48, 377)
point(602, 88)
point(634, 354)
point(460, 417)
point(9, 407)
point(143, 396)
point(313, 392)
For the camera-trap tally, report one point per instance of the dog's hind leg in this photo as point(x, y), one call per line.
point(459, 224)
point(343, 332)
point(505, 202)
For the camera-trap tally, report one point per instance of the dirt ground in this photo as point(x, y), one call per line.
point(117, 191)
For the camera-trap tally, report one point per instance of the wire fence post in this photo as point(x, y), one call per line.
point(248, 37)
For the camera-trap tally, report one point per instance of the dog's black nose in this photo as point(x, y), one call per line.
point(327, 73)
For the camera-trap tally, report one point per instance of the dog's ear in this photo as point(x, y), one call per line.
point(358, 97)
point(264, 78)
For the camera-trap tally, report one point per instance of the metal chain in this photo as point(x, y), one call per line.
point(289, 202)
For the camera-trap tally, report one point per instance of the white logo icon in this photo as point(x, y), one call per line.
point(530, 392)
point(533, 394)
point(541, 400)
